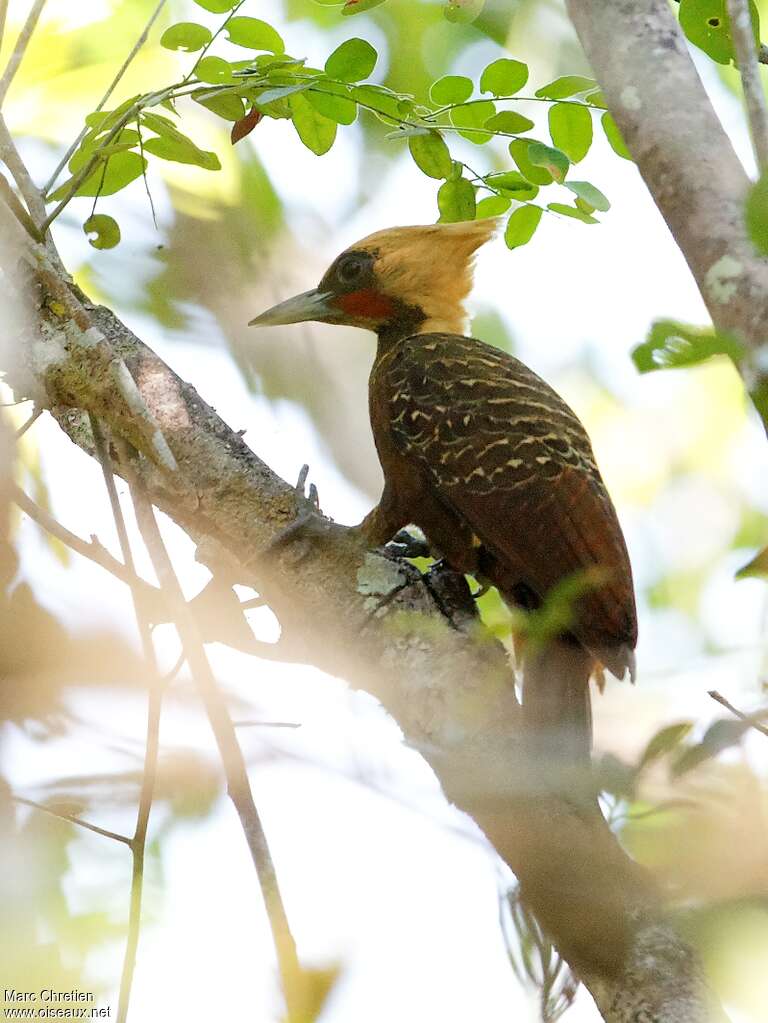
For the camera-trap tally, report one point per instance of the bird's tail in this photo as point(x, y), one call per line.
point(557, 714)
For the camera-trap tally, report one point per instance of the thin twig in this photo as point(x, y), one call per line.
point(238, 785)
point(92, 550)
point(20, 48)
point(152, 744)
point(32, 419)
point(12, 202)
point(9, 154)
point(751, 719)
point(72, 819)
point(744, 47)
point(115, 82)
point(3, 16)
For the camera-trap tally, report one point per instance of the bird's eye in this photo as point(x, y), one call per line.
point(350, 269)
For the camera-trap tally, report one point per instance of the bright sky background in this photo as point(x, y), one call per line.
point(378, 872)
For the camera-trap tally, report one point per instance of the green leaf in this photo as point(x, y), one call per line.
point(671, 345)
point(127, 139)
point(358, 6)
point(755, 568)
point(456, 201)
point(572, 211)
point(105, 229)
point(216, 6)
point(224, 104)
point(120, 170)
point(463, 12)
point(451, 89)
point(182, 152)
point(591, 195)
point(613, 135)
point(571, 129)
point(720, 735)
point(665, 741)
point(756, 214)
point(492, 206)
point(263, 99)
point(472, 116)
point(187, 36)
point(504, 77)
point(518, 150)
point(383, 102)
point(509, 121)
point(338, 108)
point(569, 85)
point(706, 24)
point(315, 131)
point(214, 70)
point(254, 34)
point(515, 185)
point(596, 99)
point(430, 154)
point(522, 225)
point(354, 60)
point(553, 160)
point(101, 120)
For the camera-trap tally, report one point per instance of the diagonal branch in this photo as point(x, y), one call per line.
point(72, 819)
point(20, 48)
point(740, 18)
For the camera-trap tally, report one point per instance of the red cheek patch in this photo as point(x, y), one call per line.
point(367, 304)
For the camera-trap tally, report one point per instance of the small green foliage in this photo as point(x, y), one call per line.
point(612, 133)
point(569, 85)
point(451, 89)
point(721, 735)
point(470, 117)
point(224, 104)
point(338, 107)
point(706, 25)
point(456, 201)
point(575, 212)
point(522, 225)
point(105, 231)
point(664, 742)
point(102, 120)
point(590, 195)
point(354, 60)
point(510, 122)
point(172, 144)
point(187, 36)
point(671, 345)
point(570, 126)
point(756, 213)
point(110, 177)
point(214, 71)
point(513, 185)
point(254, 34)
point(518, 150)
point(216, 6)
point(358, 6)
point(756, 568)
point(430, 154)
point(463, 12)
point(504, 77)
point(492, 206)
point(558, 610)
point(553, 160)
point(316, 131)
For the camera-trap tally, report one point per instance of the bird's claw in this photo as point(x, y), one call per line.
point(313, 497)
point(308, 526)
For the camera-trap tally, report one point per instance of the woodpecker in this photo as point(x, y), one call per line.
point(483, 455)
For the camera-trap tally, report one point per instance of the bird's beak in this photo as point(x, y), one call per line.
point(312, 305)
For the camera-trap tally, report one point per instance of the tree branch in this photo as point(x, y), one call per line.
point(740, 18)
point(72, 819)
point(20, 48)
point(640, 58)
point(238, 785)
point(752, 719)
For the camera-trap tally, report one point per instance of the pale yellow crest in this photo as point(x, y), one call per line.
point(430, 267)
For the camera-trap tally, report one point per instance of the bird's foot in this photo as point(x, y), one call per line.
point(406, 545)
point(307, 528)
point(313, 497)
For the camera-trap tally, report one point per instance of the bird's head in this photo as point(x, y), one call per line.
point(404, 279)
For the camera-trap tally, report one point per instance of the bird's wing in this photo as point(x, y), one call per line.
point(500, 446)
